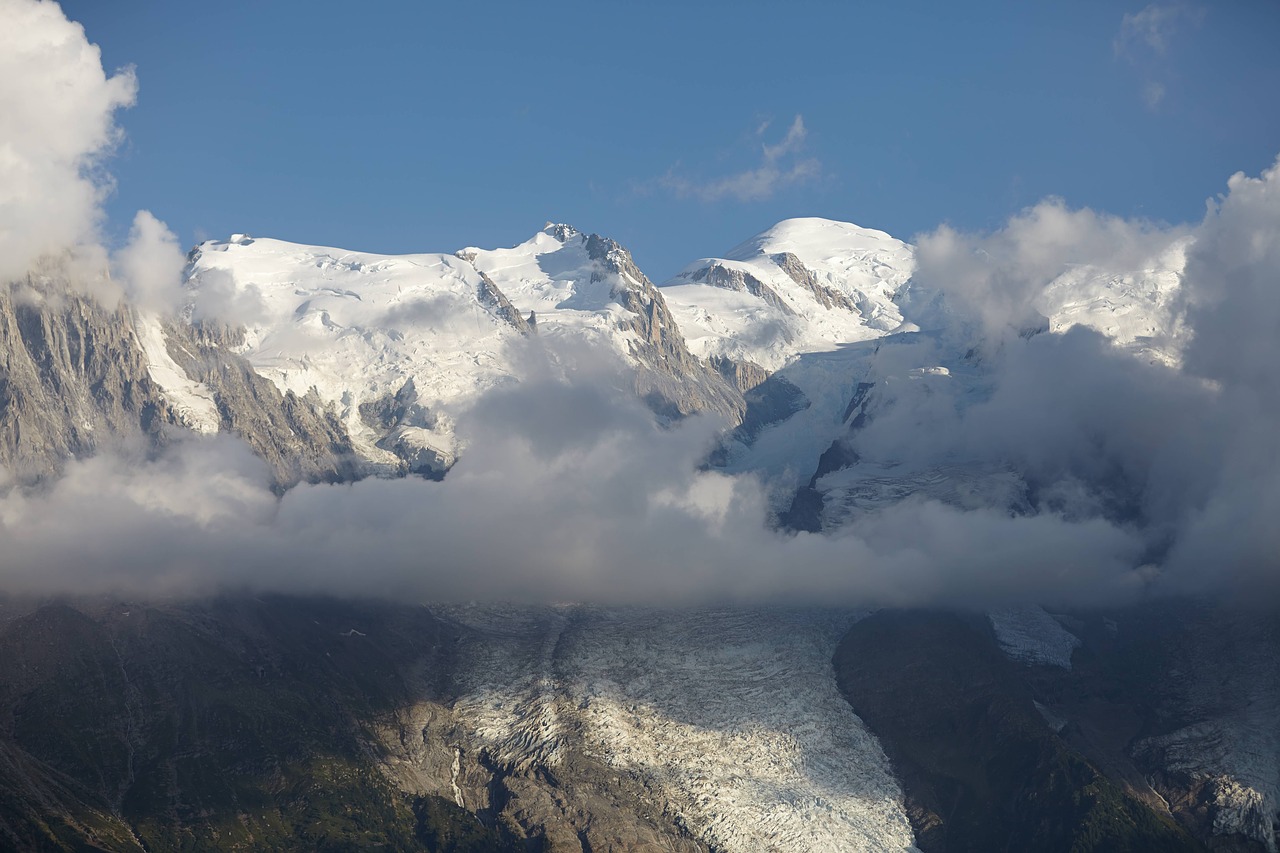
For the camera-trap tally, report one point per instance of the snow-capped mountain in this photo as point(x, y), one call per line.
point(847, 334)
point(799, 337)
point(804, 285)
point(400, 346)
point(700, 731)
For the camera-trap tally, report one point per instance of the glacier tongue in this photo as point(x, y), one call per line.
point(731, 718)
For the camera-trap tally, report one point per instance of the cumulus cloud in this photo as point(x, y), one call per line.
point(219, 299)
point(1001, 279)
point(1181, 461)
point(782, 165)
point(150, 265)
point(57, 122)
point(1233, 306)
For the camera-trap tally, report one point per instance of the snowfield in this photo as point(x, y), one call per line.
point(811, 299)
point(810, 286)
point(355, 327)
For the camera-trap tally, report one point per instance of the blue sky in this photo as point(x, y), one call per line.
point(677, 128)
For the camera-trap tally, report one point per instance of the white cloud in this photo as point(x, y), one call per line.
point(57, 120)
point(584, 498)
point(781, 165)
point(150, 265)
point(1000, 278)
point(1153, 93)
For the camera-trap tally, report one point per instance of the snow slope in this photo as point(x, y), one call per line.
point(809, 298)
point(355, 327)
point(193, 401)
point(804, 285)
point(1136, 309)
point(894, 343)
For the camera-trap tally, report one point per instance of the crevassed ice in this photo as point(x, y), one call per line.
point(733, 717)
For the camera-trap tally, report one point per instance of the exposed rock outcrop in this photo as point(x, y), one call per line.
point(492, 296)
point(732, 278)
point(827, 297)
point(298, 437)
point(73, 379)
point(671, 379)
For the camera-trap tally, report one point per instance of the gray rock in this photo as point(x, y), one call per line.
point(718, 275)
point(492, 297)
point(671, 380)
point(298, 437)
point(828, 297)
point(73, 379)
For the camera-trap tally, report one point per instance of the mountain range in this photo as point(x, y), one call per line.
point(830, 369)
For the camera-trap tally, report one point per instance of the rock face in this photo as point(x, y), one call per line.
point(492, 296)
point(718, 275)
point(1094, 730)
point(77, 377)
point(227, 726)
point(671, 379)
point(298, 437)
point(1004, 780)
point(72, 378)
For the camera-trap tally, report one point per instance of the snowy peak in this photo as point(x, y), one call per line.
point(804, 285)
point(589, 286)
point(560, 231)
point(837, 264)
point(813, 237)
point(357, 329)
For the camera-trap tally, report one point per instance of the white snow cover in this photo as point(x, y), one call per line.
point(193, 401)
point(355, 326)
point(826, 351)
point(1030, 635)
point(865, 266)
point(732, 718)
point(835, 308)
point(1136, 309)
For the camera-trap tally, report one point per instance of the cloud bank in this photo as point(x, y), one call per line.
point(581, 498)
point(1183, 459)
